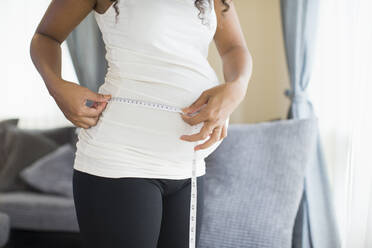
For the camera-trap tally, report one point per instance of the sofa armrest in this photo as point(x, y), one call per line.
point(4, 229)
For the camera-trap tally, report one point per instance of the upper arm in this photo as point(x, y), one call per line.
point(62, 16)
point(229, 33)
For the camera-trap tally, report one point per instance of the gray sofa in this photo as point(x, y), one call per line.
point(253, 188)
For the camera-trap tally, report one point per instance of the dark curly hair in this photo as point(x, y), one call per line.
point(198, 4)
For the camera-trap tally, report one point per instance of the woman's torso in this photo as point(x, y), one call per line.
point(156, 51)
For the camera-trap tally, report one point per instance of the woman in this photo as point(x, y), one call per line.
point(132, 169)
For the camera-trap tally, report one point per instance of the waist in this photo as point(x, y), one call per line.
point(180, 93)
point(145, 131)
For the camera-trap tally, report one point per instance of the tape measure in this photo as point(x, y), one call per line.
point(193, 200)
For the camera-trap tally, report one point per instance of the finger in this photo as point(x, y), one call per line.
point(101, 106)
point(81, 124)
point(203, 116)
point(213, 139)
point(224, 132)
point(204, 132)
point(95, 105)
point(97, 97)
point(90, 121)
point(198, 103)
point(93, 111)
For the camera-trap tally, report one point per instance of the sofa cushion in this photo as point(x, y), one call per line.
point(254, 183)
point(52, 173)
point(37, 211)
point(21, 148)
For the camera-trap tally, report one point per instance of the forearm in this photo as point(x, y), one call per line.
point(46, 56)
point(237, 67)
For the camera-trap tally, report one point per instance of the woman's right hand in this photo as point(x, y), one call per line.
point(71, 98)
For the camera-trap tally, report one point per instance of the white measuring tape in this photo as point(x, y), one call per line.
point(193, 200)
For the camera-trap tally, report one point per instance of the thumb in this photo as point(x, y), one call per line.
point(97, 97)
point(198, 103)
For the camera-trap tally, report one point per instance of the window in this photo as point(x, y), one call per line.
point(24, 94)
point(341, 92)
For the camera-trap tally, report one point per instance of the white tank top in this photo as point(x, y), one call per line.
point(156, 51)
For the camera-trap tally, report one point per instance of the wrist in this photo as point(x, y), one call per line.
point(240, 88)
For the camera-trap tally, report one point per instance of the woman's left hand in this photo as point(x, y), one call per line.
point(215, 106)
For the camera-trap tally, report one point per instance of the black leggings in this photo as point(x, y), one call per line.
point(132, 212)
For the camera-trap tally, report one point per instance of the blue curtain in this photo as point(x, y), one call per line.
point(315, 225)
point(87, 51)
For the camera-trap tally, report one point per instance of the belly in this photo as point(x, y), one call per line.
point(149, 132)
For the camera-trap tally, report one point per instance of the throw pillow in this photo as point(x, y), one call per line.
point(12, 122)
point(254, 184)
point(60, 135)
point(53, 172)
point(21, 148)
point(4, 124)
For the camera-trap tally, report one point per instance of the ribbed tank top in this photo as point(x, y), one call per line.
point(156, 51)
